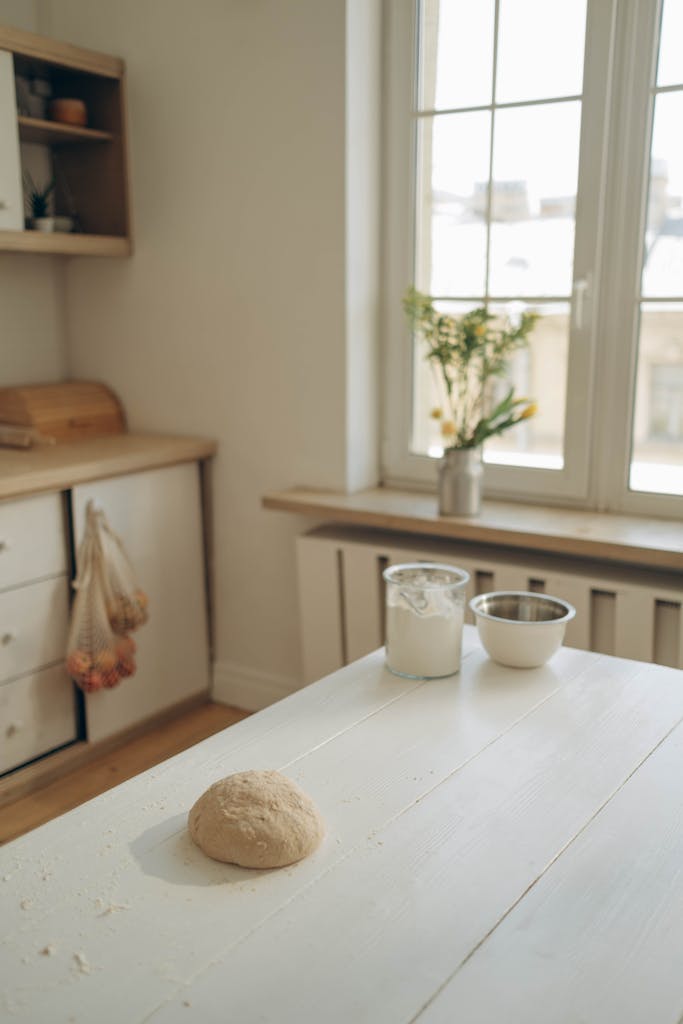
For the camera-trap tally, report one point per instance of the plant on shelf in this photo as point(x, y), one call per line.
point(37, 199)
point(467, 355)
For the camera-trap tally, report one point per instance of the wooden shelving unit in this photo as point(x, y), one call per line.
point(89, 163)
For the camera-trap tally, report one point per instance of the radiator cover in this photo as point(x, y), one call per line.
point(627, 611)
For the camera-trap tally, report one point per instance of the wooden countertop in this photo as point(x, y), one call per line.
point(502, 845)
point(627, 539)
point(57, 467)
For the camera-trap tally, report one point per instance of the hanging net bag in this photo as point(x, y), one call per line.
point(97, 657)
point(126, 602)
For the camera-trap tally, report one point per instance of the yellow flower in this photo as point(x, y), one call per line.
point(531, 410)
point(448, 428)
point(436, 413)
point(479, 330)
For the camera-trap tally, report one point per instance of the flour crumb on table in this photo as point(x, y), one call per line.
point(26, 904)
point(109, 908)
point(82, 963)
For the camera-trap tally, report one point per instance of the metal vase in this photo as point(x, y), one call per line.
point(460, 474)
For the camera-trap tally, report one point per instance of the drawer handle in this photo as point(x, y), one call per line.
point(7, 637)
point(4, 545)
point(13, 728)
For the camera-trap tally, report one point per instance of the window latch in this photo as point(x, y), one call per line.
point(580, 290)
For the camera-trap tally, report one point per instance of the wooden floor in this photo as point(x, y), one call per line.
point(115, 766)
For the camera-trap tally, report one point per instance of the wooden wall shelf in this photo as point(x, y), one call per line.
point(89, 164)
point(51, 133)
point(58, 243)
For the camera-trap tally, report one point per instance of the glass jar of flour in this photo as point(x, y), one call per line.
point(425, 606)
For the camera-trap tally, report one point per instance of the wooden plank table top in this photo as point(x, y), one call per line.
point(503, 845)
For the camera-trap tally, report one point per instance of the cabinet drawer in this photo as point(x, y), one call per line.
point(37, 714)
point(33, 626)
point(32, 539)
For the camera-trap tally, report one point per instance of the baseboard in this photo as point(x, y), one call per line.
point(248, 688)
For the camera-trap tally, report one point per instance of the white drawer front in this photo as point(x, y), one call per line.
point(32, 539)
point(33, 626)
point(37, 714)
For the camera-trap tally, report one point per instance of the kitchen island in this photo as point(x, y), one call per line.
point(502, 845)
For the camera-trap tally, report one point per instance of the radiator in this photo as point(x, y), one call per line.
point(631, 612)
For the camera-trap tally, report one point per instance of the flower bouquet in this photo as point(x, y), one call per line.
point(467, 355)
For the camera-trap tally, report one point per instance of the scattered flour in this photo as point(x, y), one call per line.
point(112, 908)
point(82, 963)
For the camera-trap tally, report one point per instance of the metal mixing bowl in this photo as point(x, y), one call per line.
point(519, 628)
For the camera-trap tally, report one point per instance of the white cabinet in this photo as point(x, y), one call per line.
point(158, 516)
point(37, 698)
point(11, 194)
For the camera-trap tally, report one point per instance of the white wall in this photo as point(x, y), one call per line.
point(32, 339)
point(247, 312)
point(362, 156)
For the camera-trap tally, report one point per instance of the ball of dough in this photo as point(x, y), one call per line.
point(257, 819)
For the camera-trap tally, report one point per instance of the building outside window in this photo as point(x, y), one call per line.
point(535, 161)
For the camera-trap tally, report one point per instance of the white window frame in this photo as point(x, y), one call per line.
point(613, 177)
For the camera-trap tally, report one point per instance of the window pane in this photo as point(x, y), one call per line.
point(456, 65)
point(657, 458)
point(427, 393)
point(663, 270)
point(535, 170)
point(451, 229)
point(540, 49)
point(538, 373)
point(670, 67)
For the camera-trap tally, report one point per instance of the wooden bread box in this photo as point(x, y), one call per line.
point(71, 410)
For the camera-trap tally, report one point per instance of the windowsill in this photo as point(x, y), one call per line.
point(626, 539)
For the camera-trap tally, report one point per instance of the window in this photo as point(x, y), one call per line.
point(666, 403)
point(538, 149)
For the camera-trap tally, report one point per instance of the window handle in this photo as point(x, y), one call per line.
point(580, 292)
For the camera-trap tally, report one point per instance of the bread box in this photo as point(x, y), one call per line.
point(69, 411)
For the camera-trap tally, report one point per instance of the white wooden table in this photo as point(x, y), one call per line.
point(502, 846)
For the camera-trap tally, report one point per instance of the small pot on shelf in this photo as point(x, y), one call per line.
point(66, 110)
point(49, 224)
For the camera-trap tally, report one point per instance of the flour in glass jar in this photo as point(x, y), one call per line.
point(426, 646)
point(424, 639)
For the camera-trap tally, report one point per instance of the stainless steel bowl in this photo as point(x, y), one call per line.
point(520, 606)
point(519, 628)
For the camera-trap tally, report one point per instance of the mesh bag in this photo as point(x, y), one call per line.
point(125, 602)
point(97, 657)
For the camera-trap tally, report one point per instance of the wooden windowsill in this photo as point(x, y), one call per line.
point(625, 539)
